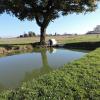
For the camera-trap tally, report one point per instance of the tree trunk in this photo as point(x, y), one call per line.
point(42, 36)
point(44, 59)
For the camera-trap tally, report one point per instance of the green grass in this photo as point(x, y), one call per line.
point(78, 80)
point(60, 39)
point(82, 38)
point(18, 40)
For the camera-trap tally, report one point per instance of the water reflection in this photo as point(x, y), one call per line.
point(52, 50)
point(45, 66)
point(1, 87)
point(18, 68)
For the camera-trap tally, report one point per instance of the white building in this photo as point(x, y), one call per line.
point(52, 42)
point(95, 31)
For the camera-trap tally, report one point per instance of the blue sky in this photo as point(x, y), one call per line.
point(10, 26)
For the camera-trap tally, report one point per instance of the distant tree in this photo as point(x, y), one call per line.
point(31, 34)
point(75, 34)
point(55, 33)
point(21, 36)
point(50, 34)
point(45, 11)
point(26, 35)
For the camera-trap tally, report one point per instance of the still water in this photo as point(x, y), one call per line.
point(18, 68)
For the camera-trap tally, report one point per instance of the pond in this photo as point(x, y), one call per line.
point(23, 67)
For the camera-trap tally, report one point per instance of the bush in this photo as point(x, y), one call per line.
point(79, 80)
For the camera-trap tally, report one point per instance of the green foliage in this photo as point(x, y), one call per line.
point(78, 80)
point(4, 94)
point(25, 35)
point(45, 9)
point(31, 34)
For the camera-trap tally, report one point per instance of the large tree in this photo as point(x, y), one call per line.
point(45, 11)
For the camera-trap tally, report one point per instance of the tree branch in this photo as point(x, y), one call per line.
point(37, 21)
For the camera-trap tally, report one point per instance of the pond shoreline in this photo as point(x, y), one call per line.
point(6, 50)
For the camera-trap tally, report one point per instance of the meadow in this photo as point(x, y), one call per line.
point(60, 39)
point(77, 80)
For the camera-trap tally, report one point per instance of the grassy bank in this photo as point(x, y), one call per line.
point(6, 50)
point(78, 80)
point(18, 45)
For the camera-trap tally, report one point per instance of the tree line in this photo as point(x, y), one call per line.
point(29, 34)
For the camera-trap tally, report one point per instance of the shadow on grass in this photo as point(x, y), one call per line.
point(77, 45)
point(82, 45)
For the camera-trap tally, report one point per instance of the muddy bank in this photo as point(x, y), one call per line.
point(14, 49)
point(6, 50)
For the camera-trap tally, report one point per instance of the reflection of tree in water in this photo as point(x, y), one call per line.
point(1, 87)
point(52, 50)
point(45, 66)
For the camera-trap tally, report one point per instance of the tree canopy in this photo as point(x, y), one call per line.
point(45, 11)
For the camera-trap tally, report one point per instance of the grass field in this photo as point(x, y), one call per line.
point(60, 39)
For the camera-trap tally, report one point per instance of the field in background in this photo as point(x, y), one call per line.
point(60, 39)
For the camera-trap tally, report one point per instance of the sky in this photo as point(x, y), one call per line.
point(10, 26)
